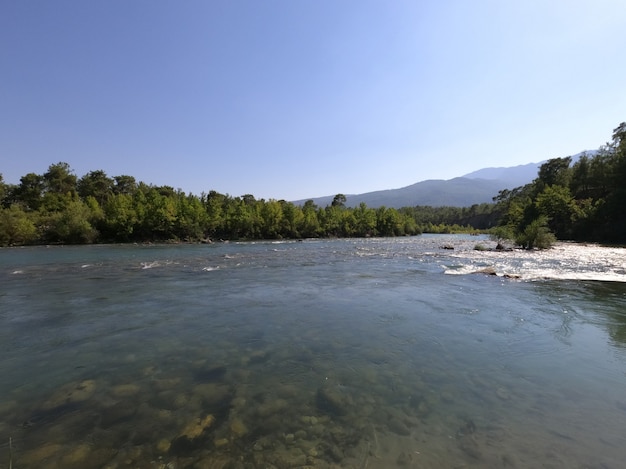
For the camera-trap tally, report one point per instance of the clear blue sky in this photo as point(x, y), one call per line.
point(294, 99)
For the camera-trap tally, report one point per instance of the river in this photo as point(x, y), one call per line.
point(359, 353)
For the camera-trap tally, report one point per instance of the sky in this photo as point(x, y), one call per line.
point(295, 99)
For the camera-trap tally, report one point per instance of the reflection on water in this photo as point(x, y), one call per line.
point(345, 353)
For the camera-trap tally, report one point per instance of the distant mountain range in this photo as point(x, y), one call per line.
point(473, 188)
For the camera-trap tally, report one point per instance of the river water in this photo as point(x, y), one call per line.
point(361, 353)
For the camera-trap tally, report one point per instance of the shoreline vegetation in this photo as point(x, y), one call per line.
point(579, 201)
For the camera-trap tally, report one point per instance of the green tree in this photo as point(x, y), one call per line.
point(4, 189)
point(215, 205)
point(339, 201)
point(536, 234)
point(558, 206)
point(311, 222)
point(365, 220)
point(388, 222)
point(71, 225)
point(29, 192)
point(95, 184)
point(271, 216)
point(16, 226)
point(120, 218)
point(292, 219)
point(555, 172)
point(191, 217)
point(124, 185)
point(59, 179)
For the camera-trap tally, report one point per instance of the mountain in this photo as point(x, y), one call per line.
point(476, 187)
point(514, 176)
point(457, 192)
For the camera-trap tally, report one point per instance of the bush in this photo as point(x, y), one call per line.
point(536, 235)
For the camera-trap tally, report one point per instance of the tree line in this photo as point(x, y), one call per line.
point(583, 201)
point(58, 207)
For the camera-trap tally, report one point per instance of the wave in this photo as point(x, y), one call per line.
point(566, 261)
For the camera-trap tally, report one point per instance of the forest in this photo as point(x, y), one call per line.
point(582, 201)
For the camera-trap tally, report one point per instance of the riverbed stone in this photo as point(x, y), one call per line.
point(470, 447)
point(332, 400)
point(36, 457)
point(166, 384)
point(117, 413)
point(220, 442)
point(76, 456)
point(197, 426)
point(163, 446)
point(71, 393)
point(486, 271)
point(398, 426)
point(212, 393)
point(237, 428)
point(125, 390)
point(272, 407)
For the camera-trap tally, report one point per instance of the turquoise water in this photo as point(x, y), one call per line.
point(364, 353)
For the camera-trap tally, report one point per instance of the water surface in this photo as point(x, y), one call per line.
point(360, 353)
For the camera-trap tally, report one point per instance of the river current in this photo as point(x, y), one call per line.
point(360, 353)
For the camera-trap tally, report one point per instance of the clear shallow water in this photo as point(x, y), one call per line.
point(335, 353)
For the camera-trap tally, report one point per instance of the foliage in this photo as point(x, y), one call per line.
point(583, 201)
point(16, 226)
point(536, 235)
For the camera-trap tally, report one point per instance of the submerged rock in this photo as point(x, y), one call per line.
point(71, 393)
point(487, 271)
point(238, 428)
point(398, 427)
point(332, 400)
point(190, 437)
point(210, 375)
point(125, 390)
point(197, 426)
point(117, 413)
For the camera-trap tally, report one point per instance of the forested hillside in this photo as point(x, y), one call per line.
point(584, 201)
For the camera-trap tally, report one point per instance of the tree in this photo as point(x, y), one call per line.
point(95, 184)
point(59, 179)
point(311, 223)
point(215, 206)
point(536, 235)
point(30, 191)
point(71, 225)
point(16, 226)
point(557, 205)
point(339, 201)
point(388, 222)
point(365, 220)
point(554, 172)
point(4, 189)
point(120, 218)
point(292, 219)
point(581, 182)
point(124, 185)
point(271, 215)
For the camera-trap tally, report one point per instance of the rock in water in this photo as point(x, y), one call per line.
point(487, 271)
point(331, 400)
point(190, 438)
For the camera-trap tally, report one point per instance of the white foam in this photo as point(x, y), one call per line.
point(566, 261)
